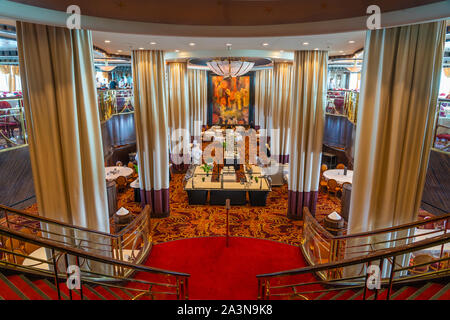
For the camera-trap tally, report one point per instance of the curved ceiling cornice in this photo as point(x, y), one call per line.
point(226, 18)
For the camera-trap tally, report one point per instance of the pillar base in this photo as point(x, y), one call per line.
point(299, 199)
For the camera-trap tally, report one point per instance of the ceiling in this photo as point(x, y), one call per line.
point(226, 18)
point(226, 12)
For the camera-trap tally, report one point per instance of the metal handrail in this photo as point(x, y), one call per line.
point(89, 276)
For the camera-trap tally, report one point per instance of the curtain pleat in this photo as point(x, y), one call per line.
point(152, 122)
point(198, 101)
point(64, 135)
point(400, 82)
point(306, 130)
point(263, 98)
point(281, 104)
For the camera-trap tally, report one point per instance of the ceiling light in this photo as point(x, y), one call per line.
point(107, 41)
point(228, 44)
point(354, 69)
point(119, 50)
point(141, 48)
point(106, 67)
point(281, 51)
point(229, 67)
point(192, 44)
point(305, 43)
point(316, 49)
point(152, 43)
point(177, 50)
point(351, 41)
point(265, 44)
point(341, 51)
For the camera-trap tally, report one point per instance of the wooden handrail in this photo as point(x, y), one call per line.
point(384, 230)
point(83, 254)
point(377, 255)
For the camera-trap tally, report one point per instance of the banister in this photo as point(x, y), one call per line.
point(49, 220)
point(83, 254)
point(381, 254)
point(383, 230)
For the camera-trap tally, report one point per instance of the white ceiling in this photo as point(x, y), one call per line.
point(336, 44)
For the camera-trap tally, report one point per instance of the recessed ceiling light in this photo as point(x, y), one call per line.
point(107, 41)
point(316, 49)
point(152, 43)
point(305, 43)
point(351, 41)
point(265, 44)
point(119, 50)
point(177, 50)
point(281, 51)
point(141, 48)
point(228, 44)
point(192, 44)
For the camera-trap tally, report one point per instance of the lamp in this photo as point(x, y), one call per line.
point(230, 67)
point(355, 68)
point(106, 67)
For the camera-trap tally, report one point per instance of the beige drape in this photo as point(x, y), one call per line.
point(151, 119)
point(198, 100)
point(307, 124)
point(11, 71)
point(400, 82)
point(281, 104)
point(57, 73)
point(263, 98)
point(179, 131)
point(63, 125)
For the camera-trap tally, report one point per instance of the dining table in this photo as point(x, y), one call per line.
point(112, 173)
point(338, 175)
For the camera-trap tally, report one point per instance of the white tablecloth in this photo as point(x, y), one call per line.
point(338, 175)
point(112, 173)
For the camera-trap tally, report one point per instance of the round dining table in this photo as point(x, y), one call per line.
point(112, 173)
point(338, 175)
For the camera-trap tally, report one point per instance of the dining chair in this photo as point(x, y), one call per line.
point(323, 184)
point(121, 182)
point(340, 166)
point(332, 187)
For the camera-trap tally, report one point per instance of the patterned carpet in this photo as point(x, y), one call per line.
point(189, 221)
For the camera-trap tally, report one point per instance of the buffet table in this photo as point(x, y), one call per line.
point(227, 183)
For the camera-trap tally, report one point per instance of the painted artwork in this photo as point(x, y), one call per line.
point(230, 100)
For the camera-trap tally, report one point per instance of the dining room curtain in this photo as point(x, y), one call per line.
point(281, 104)
point(198, 101)
point(179, 122)
point(263, 98)
point(11, 72)
point(152, 122)
point(57, 73)
point(399, 89)
point(307, 116)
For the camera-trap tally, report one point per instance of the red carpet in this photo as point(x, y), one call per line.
point(218, 272)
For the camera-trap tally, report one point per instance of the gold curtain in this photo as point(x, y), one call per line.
point(400, 83)
point(447, 72)
point(57, 73)
point(281, 104)
point(179, 133)
point(151, 119)
point(198, 100)
point(306, 128)
point(11, 71)
point(263, 98)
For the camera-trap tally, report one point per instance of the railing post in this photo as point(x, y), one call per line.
point(391, 277)
point(66, 261)
point(186, 288)
point(55, 274)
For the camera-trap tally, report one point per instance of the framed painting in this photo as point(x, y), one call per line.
point(230, 100)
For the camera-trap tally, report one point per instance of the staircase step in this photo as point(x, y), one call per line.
point(426, 292)
point(345, 295)
point(382, 292)
point(328, 295)
point(443, 294)
point(125, 294)
point(107, 293)
point(403, 293)
point(50, 289)
point(357, 294)
point(9, 290)
point(90, 293)
point(28, 288)
point(75, 294)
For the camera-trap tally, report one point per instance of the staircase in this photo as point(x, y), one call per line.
point(427, 291)
point(21, 287)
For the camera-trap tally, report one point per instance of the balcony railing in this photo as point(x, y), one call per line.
point(131, 244)
point(343, 103)
point(441, 139)
point(12, 123)
point(112, 102)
